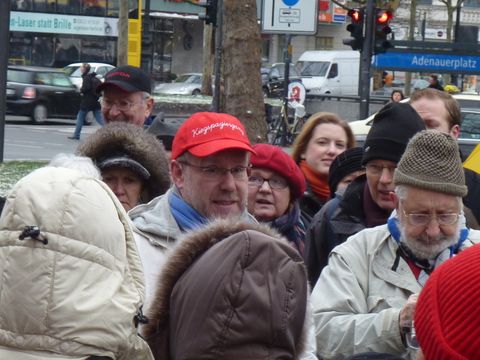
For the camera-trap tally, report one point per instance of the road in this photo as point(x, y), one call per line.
point(25, 141)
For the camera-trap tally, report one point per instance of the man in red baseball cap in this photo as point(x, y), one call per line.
point(209, 170)
point(126, 95)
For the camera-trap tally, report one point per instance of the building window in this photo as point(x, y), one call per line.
point(471, 3)
point(424, 2)
point(323, 43)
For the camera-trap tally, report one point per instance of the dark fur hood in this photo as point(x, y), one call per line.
point(230, 291)
point(136, 143)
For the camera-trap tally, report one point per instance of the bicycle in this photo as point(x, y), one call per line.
point(284, 129)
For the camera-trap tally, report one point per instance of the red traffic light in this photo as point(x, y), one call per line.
point(355, 14)
point(384, 16)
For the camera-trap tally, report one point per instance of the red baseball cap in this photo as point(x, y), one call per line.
point(205, 133)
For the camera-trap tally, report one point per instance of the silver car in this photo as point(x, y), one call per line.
point(185, 84)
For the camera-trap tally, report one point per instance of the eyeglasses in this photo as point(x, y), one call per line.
point(375, 169)
point(215, 173)
point(425, 219)
point(122, 105)
point(274, 183)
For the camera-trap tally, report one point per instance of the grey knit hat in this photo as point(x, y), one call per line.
point(432, 161)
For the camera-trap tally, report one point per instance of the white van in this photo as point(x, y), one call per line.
point(330, 72)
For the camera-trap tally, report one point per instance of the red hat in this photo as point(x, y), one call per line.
point(274, 158)
point(205, 133)
point(446, 317)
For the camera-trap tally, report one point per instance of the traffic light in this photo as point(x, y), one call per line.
point(382, 30)
point(210, 15)
point(356, 29)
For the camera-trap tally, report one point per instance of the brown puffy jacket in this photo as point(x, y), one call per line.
point(230, 291)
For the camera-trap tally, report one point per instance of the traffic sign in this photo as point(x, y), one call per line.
point(339, 18)
point(289, 16)
point(296, 92)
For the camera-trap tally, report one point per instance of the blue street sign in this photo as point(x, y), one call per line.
point(290, 2)
point(461, 64)
point(339, 18)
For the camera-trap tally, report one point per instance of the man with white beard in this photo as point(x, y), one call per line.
point(365, 298)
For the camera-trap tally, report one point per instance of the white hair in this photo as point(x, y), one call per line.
point(81, 164)
point(402, 190)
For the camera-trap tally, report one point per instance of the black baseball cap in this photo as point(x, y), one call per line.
point(128, 79)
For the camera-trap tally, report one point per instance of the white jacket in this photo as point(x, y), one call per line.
point(77, 294)
point(357, 299)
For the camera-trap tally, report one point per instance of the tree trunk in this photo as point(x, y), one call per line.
point(242, 86)
point(208, 56)
point(122, 43)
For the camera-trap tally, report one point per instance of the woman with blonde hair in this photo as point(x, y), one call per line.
point(323, 137)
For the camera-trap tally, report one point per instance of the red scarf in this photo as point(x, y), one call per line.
point(317, 182)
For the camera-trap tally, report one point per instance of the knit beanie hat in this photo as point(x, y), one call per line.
point(392, 127)
point(446, 321)
point(432, 161)
point(344, 164)
point(274, 158)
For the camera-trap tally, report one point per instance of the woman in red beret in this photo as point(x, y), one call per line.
point(275, 185)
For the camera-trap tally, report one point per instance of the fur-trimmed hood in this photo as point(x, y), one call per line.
point(133, 141)
point(230, 291)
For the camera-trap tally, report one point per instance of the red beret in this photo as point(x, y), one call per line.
point(274, 158)
point(445, 321)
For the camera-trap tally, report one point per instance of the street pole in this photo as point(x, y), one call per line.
point(218, 57)
point(366, 59)
point(286, 77)
point(5, 44)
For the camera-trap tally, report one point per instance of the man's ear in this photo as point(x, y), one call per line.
point(150, 104)
point(394, 198)
point(176, 172)
point(455, 131)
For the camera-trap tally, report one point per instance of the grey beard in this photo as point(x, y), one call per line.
point(425, 248)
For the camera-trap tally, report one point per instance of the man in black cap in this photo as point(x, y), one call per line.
point(126, 95)
point(367, 201)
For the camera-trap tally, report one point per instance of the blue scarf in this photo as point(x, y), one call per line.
point(291, 226)
point(187, 217)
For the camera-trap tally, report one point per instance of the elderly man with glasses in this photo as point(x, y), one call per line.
point(126, 96)
point(366, 202)
point(373, 280)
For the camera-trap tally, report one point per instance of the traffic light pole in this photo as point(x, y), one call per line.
point(366, 59)
point(4, 43)
point(286, 77)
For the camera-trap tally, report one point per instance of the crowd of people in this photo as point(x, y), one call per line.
point(152, 242)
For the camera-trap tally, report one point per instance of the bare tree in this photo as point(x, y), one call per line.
point(122, 44)
point(208, 56)
point(242, 94)
point(450, 10)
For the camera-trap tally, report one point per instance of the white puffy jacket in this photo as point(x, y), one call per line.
point(75, 295)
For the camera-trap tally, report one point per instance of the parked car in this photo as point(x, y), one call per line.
point(41, 93)
point(273, 84)
point(73, 71)
point(184, 84)
point(469, 130)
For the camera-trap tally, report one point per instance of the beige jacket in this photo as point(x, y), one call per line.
point(77, 294)
point(357, 299)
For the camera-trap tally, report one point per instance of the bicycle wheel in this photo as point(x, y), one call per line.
point(276, 132)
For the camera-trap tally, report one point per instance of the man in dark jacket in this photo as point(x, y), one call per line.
point(89, 100)
point(434, 83)
point(366, 202)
